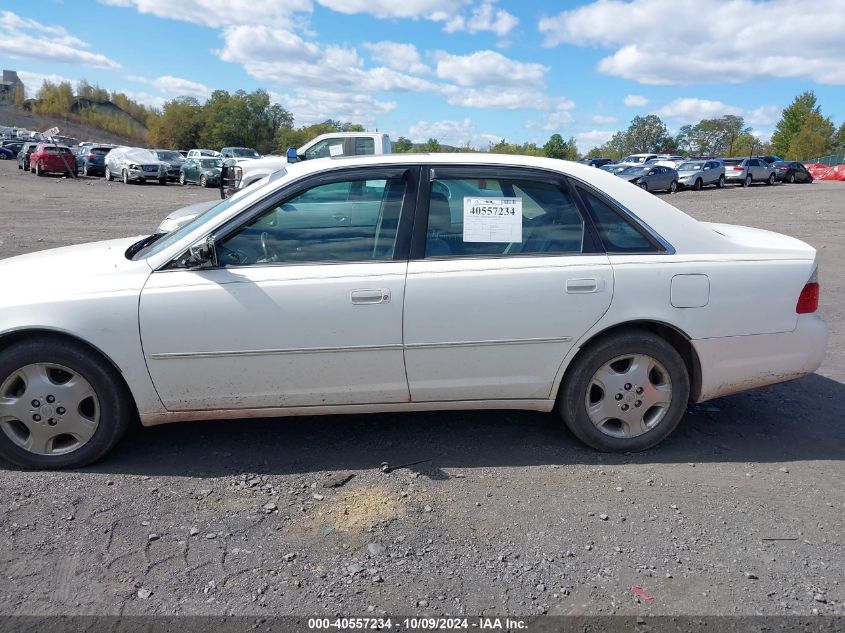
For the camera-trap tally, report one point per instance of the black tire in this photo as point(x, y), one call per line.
point(643, 186)
point(673, 187)
point(698, 184)
point(721, 183)
point(203, 181)
point(125, 177)
point(38, 170)
point(748, 180)
point(809, 180)
point(791, 179)
point(572, 402)
point(162, 181)
point(87, 169)
point(115, 402)
point(182, 180)
point(108, 175)
point(770, 180)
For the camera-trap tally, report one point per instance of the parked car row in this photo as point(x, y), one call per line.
point(656, 172)
point(128, 164)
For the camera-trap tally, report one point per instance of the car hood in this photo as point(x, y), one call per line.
point(72, 272)
point(182, 216)
point(689, 172)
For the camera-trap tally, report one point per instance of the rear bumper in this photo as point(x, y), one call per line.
point(738, 363)
point(735, 175)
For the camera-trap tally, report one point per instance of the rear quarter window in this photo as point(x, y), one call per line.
point(618, 233)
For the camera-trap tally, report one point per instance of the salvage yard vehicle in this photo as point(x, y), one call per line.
point(202, 171)
point(791, 172)
point(239, 152)
point(172, 159)
point(696, 174)
point(50, 158)
point(135, 164)
point(651, 177)
point(746, 171)
point(200, 153)
point(91, 159)
point(404, 283)
point(24, 154)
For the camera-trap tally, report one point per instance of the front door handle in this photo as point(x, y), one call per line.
point(370, 296)
point(340, 217)
point(583, 286)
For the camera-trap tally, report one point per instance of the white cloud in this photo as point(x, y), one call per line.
point(220, 13)
point(489, 68)
point(451, 133)
point(313, 106)
point(635, 101)
point(588, 140)
point(692, 110)
point(22, 37)
point(712, 49)
point(413, 9)
point(601, 119)
point(146, 98)
point(397, 56)
point(176, 86)
point(484, 18)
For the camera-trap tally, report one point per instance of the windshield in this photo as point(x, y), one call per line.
point(168, 155)
point(634, 159)
point(210, 163)
point(245, 152)
point(690, 166)
point(634, 171)
point(174, 236)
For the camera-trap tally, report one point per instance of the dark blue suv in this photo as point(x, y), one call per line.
point(91, 159)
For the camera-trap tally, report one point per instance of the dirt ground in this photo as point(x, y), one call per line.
point(741, 511)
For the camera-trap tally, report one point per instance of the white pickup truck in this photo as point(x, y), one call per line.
point(248, 172)
point(324, 146)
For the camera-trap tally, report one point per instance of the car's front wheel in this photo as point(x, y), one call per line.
point(791, 179)
point(643, 185)
point(182, 180)
point(60, 405)
point(673, 187)
point(203, 181)
point(627, 392)
point(698, 184)
point(125, 177)
point(771, 179)
point(108, 174)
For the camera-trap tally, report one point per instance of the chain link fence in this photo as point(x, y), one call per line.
point(832, 159)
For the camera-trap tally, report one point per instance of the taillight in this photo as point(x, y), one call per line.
point(91, 157)
point(737, 167)
point(808, 300)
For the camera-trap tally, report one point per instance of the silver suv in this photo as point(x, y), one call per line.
point(748, 170)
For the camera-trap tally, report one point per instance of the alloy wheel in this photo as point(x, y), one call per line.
point(48, 409)
point(629, 395)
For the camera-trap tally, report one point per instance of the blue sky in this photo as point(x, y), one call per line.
point(458, 70)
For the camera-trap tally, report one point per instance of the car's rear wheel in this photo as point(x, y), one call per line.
point(747, 182)
point(698, 184)
point(203, 181)
point(771, 180)
point(791, 179)
point(86, 170)
point(108, 174)
point(627, 392)
point(721, 183)
point(60, 405)
point(643, 185)
point(38, 170)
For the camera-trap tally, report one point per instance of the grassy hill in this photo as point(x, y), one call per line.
point(14, 116)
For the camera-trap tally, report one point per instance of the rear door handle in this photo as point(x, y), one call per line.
point(370, 296)
point(583, 286)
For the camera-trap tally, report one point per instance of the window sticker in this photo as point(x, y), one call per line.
point(493, 220)
point(336, 150)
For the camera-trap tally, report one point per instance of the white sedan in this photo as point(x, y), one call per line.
point(404, 283)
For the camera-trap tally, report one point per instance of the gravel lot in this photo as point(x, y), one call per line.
point(508, 515)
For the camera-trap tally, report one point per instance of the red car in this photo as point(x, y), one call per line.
point(52, 158)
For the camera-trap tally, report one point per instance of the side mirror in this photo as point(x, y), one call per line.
point(293, 157)
point(202, 254)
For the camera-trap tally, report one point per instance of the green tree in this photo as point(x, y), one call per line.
point(815, 138)
point(792, 120)
point(556, 147)
point(839, 139)
point(615, 148)
point(647, 134)
point(432, 145)
point(402, 145)
point(179, 125)
point(712, 136)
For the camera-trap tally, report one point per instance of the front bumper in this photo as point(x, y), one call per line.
point(139, 174)
point(738, 363)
